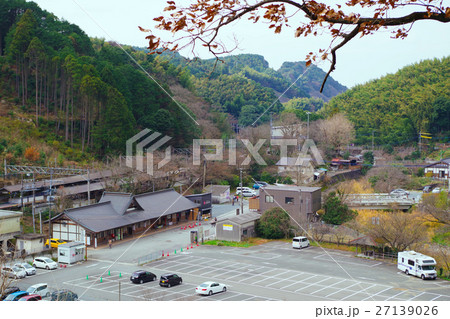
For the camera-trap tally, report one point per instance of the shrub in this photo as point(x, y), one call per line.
point(32, 154)
point(274, 224)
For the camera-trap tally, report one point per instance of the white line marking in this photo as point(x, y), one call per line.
point(326, 287)
point(91, 266)
point(415, 296)
point(378, 293)
point(376, 264)
point(358, 283)
point(360, 291)
point(396, 295)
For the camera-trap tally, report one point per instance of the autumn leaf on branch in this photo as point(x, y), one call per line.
point(202, 21)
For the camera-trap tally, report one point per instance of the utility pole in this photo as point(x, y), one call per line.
point(420, 142)
point(242, 195)
point(204, 173)
point(50, 210)
point(33, 207)
point(372, 140)
point(307, 134)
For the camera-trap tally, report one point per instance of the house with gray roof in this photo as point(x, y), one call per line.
point(220, 193)
point(120, 215)
point(237, 228)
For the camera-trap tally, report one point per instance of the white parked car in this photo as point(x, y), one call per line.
point(39, 289)
point(44, 262)
point(399, 193)
point(436, 190)
point(210, 287)
point(300, 242)
point(13, 272)
point(247, 193)
point(30, 270)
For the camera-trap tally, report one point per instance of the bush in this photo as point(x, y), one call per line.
point(336, 212)
point(274, 224)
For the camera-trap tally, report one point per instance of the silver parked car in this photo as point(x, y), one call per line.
point(30, 270)
point(399, 193)
point(13, 272)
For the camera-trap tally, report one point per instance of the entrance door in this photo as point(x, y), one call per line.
point(130, 230)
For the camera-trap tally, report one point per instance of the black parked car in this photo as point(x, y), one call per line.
point(141, 276)
point(64, 295)
point(8, 291)
point(169, 280)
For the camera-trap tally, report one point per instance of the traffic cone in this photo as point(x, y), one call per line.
point(187, 248)
point(197, 244)
point(120, 275)
point(181, 249)
point(163, 254)
point(167, 254)
point(191, 246)
point(87, 277)
point(109, 272)
point(101, 279)
point(175, 251)
point(199, 224)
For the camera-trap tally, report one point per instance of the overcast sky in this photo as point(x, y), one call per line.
point(361, 60)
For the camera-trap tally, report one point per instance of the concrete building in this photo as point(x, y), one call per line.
point(237, 228)
point(300, 202)
point(9, 227)
point(30, 243)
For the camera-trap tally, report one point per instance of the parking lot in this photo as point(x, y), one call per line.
point(272, 271)
point(109, 284)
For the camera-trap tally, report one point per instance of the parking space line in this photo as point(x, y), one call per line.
point(438, 296)
point(357, 292)
point(396, 295)
point(313, 284)
point(378, 293)
point(376, 264)
point(245, 274)
point(230, 297)
point(415, 296)
point(261, 274)
point(271, 277)
point(328, 286)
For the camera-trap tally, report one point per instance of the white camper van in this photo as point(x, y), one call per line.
point(417, 264)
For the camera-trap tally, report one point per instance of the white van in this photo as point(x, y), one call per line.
point(300, 242)
point(417, 264)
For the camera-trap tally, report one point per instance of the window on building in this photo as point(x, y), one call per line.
point(289, 200)
point(269, 199)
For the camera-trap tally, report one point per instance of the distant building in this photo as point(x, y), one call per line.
point(300, 169)
point(300, 202)
point(220, 193)
point(237, 228)
point(205, 202)
point(30, 243)
point(9, 227)
point(440, 170)
point(121, 215)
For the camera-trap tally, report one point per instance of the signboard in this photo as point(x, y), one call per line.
point(227, 227)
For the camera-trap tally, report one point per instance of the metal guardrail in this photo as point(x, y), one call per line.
point(377, 199)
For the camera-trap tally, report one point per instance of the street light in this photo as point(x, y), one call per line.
point(307, 136)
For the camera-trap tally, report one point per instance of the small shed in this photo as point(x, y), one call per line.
point(237, 228)
point(71, 252)
point(30, 243)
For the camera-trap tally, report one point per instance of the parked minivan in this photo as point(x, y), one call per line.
point(300, 242)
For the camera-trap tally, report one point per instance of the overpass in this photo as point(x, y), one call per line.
point(378, 201)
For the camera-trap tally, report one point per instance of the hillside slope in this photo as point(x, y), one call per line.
point(399, 106)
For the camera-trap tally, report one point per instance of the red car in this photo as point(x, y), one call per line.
point(31, 298)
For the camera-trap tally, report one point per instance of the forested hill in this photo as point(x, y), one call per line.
point(83, 96)
point(399, 106)
point(244, 85)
